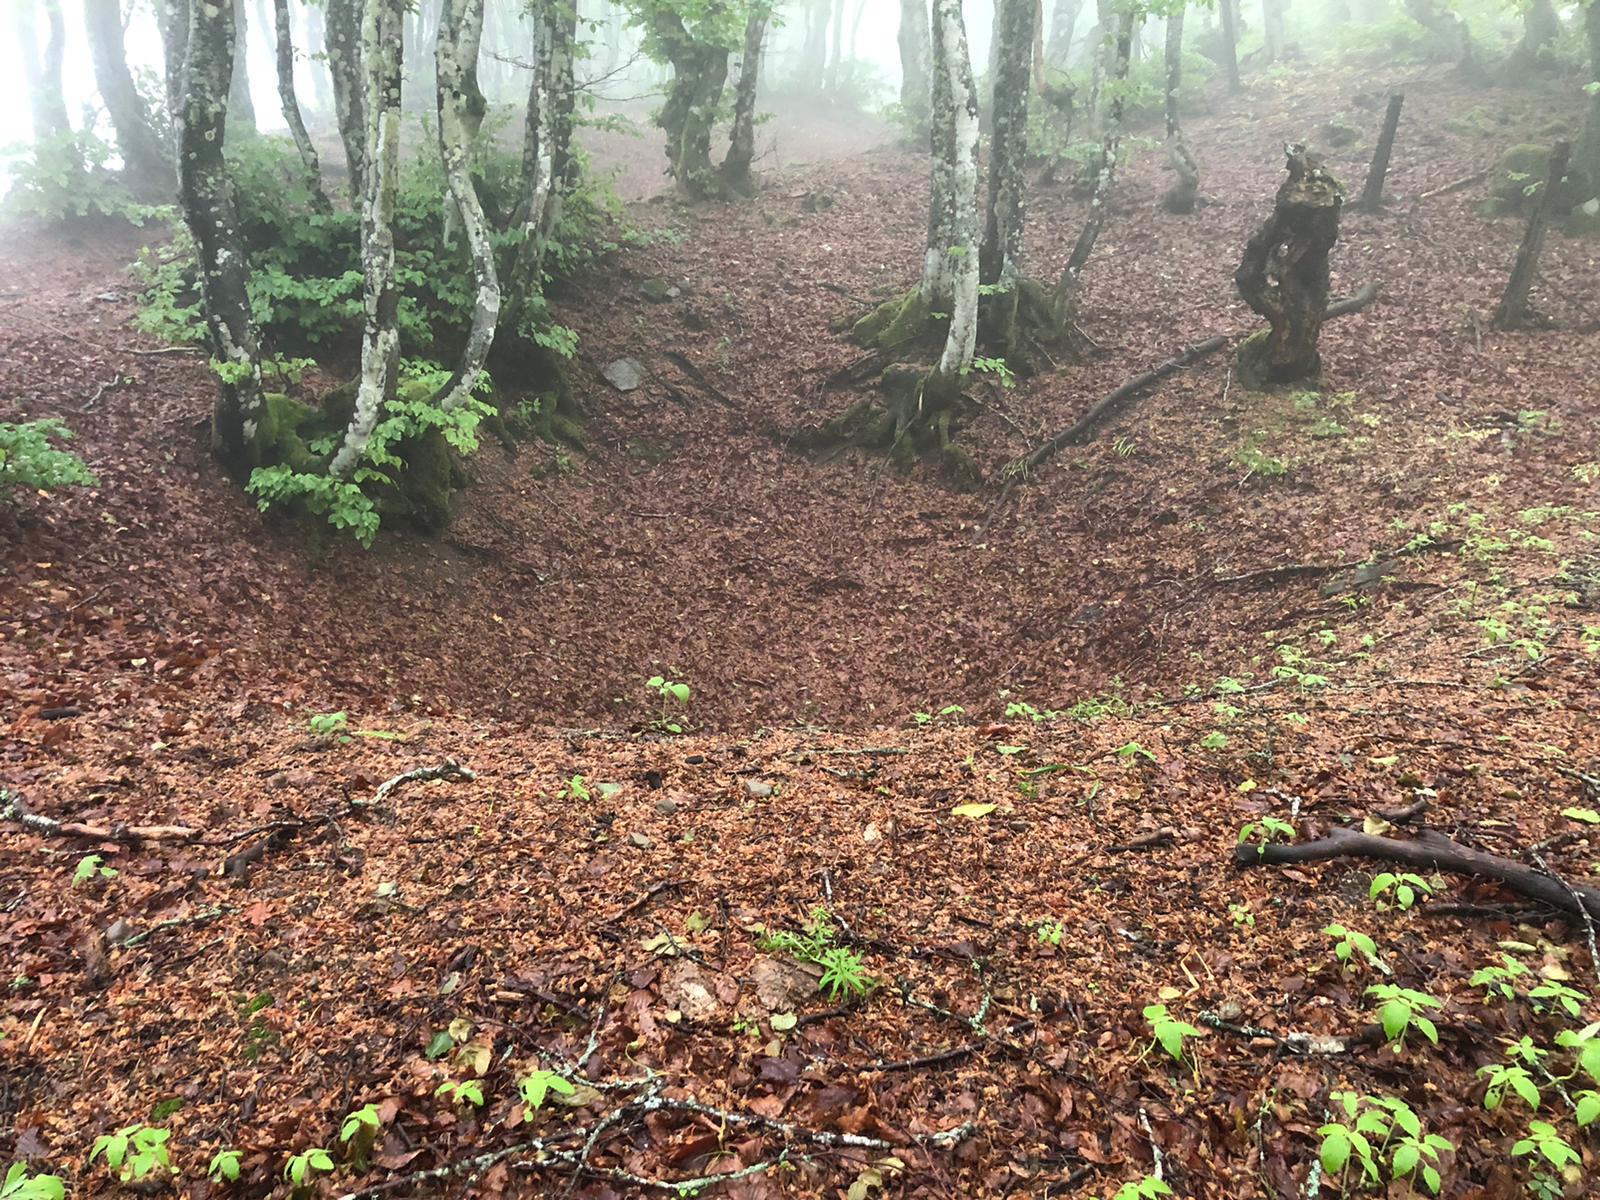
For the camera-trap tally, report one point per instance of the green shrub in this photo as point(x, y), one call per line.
point(28, 460)
point(63, 177)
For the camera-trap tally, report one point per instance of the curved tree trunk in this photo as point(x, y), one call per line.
point(914, 52)
point(1454, 37)
point(42, 70)
point(455, 97)
point(1180, 197)
point(241, 108)
point(699, 72)
point(145, 155)
point(291, 106)
point(205, 194)
point(380, 346)
point(742, 144)
point(342, 47)
point(1283, 275)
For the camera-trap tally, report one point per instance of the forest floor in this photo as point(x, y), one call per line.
point(1159, 638)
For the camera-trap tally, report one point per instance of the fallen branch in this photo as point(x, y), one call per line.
point(1455, 185)
point(1158, 837)
point(1431, 850)
point(204, 917)
point(1353, 303)
point(17, 812)
point(449, 769)
point(1113, 400)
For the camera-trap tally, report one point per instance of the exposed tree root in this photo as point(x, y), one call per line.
point(1432, 850)
point(130, 835)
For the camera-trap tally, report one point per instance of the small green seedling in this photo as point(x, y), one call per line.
point(1544, 1142)
point(844, 972)
point(91, 867)
point(359, 1132)
point(574, 789)
point(1170, 1033)
point(1264, 832)
point(537, 1086)
point(134, 1152)
point(20, 1184)
point(329, 727)
point(1401, 891)
point(1351, 941)
point(1129, 752)
point(1508, 1077)
point(301, 1169)
point(469, 1092)
point(1551, 994)
point(1497, 981)
point(1049, 933)
point(1148, 1188)
point(1401, 1008)
point(1586, 1043)
point(224, 1167)
point(668, 690)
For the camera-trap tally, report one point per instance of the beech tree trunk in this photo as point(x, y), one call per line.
point(562, 91)
point(1454, 37)
point(172, 19)
point(42, 69)
point(1272, 29)
point(1063, 24)
point(742, 144)
point(1283, 275)
point(914, 54)
point(205, 195)
point(241, 108)
point(1372, 191)
point(1513, 308)
point(1000, 259)
point(699, 72)
point(380, 345)
point(1587, 154)
point(958, 123)
point(291, 106)
point(837, 55)
point(1230, 44)
point(144, 154)
point(1180, 197)
point(457, 126)
point(342, 48)
point(524, 276)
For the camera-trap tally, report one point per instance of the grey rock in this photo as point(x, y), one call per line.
point(759, 788)
point(624, 374)
point(642, 840)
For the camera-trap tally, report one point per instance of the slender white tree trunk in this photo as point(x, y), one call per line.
point(380, 345)
point(950, 35)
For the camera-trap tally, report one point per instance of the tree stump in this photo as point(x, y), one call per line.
point(1283, 275)
point(1372, 191)
point(1513, 307)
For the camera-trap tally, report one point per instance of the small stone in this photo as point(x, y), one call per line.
point(657, 291)
point(758, 788)
point(624, 374)
point(870, 834)
point(666, 806)
point(642, 840)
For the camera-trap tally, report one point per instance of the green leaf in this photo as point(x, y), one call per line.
point(1335, 1148)
point(1406, 1157)
point(1587, 815)
point(973, 810)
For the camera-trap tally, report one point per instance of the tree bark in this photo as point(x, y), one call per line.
point(1272, 29)
point(205, 195)
point(1587, 154)
point(699, 72)
point(241, 107)
point(1230, 45)
point(524, 276)
point(1283, 274)
point(1372, 191)
point(172, 18)
point(1513, 308)
point(914, 54)
point(456, 98)
point(952, 57)
point(43, 70)
point(1454, 37)
point(1180, 197)
point(145, 155)
point(1063, 24)
point(342, 48)
point(562, 97)
point(291, 106)
point(837, 55)
point(1000, 259)
point(380, 345)
point(742, 144)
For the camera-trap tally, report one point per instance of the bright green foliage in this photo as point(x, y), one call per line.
point(1397, 891)
point(1265, 831)
point(1551, 994)
point(1586, 1043)
point(1130, 752)
point(1148, 1188)
point(1374, 1126)
point(538, 1085)
point(63, 176)
point(1497, 981)
point(1542, 1141)
point(574, 789)
point(134, 1152)
point(29, 461)
point(19, 1184)
point(328, 725)
point(91, 867)
point(364, 1118)
point(844, 973)
point(1349, 942)
point(1508, 1077)
point(302, 1168)
point(469, 1092)
point(670, 691)
point(1401, 1008)
point(1049, 933)
point(1170, 1033)
point(224, 1167)
point(1586, 1105)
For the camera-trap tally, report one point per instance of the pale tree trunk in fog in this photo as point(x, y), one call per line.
point(1272, 29)
point(1067, 288)
point(1451, 31)
point(205, 194)
point(1063, 25)
point(814, 54)
point(914, 51)
point(457, 131)
point(380, 345)
point(838, 46)
point(1541, 25)
point(342, 48)
point(241, 108)
point(525, 276)
point(142, 151)
point(1587, 152)
point(172, 18)
point(291, 106)
point(955, 123)
point(312, 35)
point(742, 144)
point(42, 69)
point(561, 88)
point(1180, 196)
point(1000, 259)
point(1230, 44)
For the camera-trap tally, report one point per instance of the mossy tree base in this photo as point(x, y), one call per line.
point(914, 418)
point(1019, 326)
point(1264, 362)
